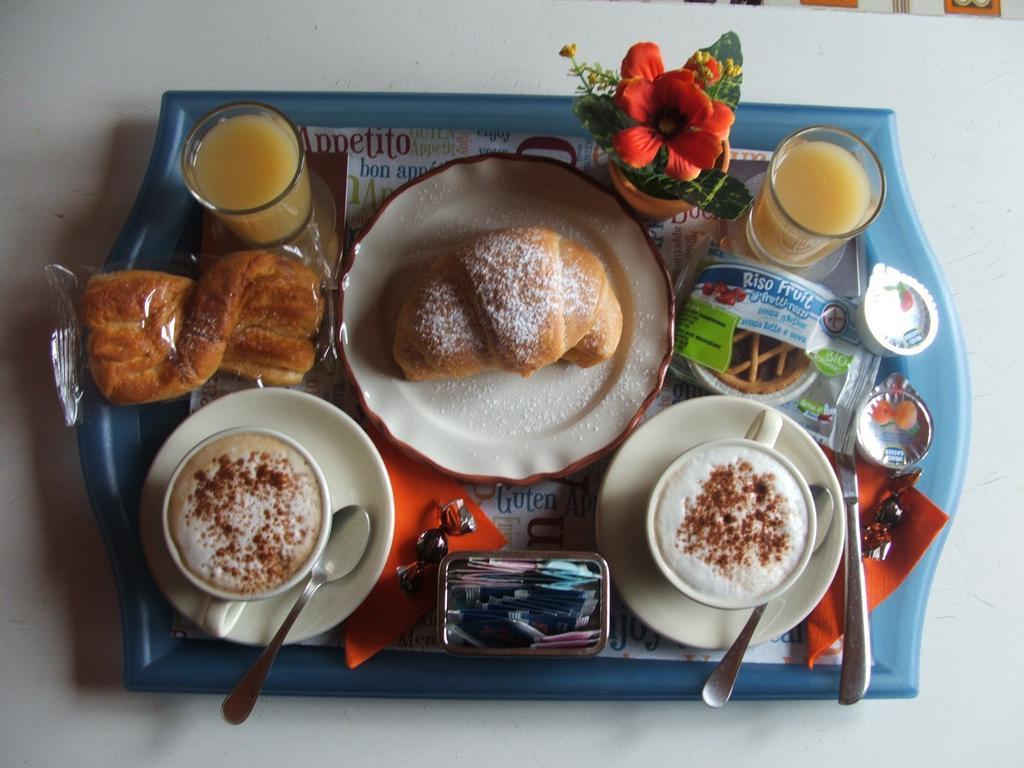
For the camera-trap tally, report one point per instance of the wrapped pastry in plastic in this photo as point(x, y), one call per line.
point(752, 330)
point(152, 335)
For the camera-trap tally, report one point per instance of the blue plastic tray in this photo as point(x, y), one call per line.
point(118, 443)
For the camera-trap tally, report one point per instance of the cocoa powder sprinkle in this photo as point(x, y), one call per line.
point(714, 532)
point(217, 495)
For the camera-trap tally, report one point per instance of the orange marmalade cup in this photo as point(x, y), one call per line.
point(823, 186)
point(244, 162)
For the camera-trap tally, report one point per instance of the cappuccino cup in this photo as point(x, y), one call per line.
point(731, 522)
point(246, 515)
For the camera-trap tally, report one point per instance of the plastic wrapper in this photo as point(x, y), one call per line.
point(752, 330)
point(149, 332)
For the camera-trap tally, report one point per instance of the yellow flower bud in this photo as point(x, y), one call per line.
point(568, 51)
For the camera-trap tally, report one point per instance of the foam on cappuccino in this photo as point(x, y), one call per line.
point(731, 523)
point(245, 513)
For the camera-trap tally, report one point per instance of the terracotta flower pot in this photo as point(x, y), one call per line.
point(657, 208)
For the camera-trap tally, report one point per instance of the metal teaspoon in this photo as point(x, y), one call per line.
point(718, 687)
point(350, 532)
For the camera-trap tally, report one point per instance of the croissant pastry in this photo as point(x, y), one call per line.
point(512, 300)
point(155, 336)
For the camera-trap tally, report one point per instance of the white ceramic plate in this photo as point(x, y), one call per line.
point(621, 537)
point(355, 474)
point(499, 426)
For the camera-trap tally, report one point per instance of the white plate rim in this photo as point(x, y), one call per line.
point(656, 262)
point(338, 444)
point(627, 484)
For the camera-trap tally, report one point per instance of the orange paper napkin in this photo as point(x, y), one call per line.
point(921, 523)
point(388, 611)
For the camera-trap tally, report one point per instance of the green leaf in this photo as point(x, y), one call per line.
point(727, 47)
point(600, 116)
point(728, 88)
point(713, 191)
point(720, 195)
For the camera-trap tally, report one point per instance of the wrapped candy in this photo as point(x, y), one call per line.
point(877, 538)
point(455, 519)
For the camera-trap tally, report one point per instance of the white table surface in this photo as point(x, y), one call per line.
point(80, 88)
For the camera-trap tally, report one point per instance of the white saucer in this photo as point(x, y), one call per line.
point(622, 502)
point(355, 473)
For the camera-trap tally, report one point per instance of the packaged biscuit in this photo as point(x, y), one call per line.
point(748, 329)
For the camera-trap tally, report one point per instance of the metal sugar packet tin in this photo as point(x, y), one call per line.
point(523, 603)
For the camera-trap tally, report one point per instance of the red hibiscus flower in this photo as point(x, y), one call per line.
point(672, 111)
point(642, 60)
point(705, 68)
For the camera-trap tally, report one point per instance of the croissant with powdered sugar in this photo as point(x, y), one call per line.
point(512, 300)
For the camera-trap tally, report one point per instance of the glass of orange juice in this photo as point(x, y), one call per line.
point(824, 185)
point(245, 163)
